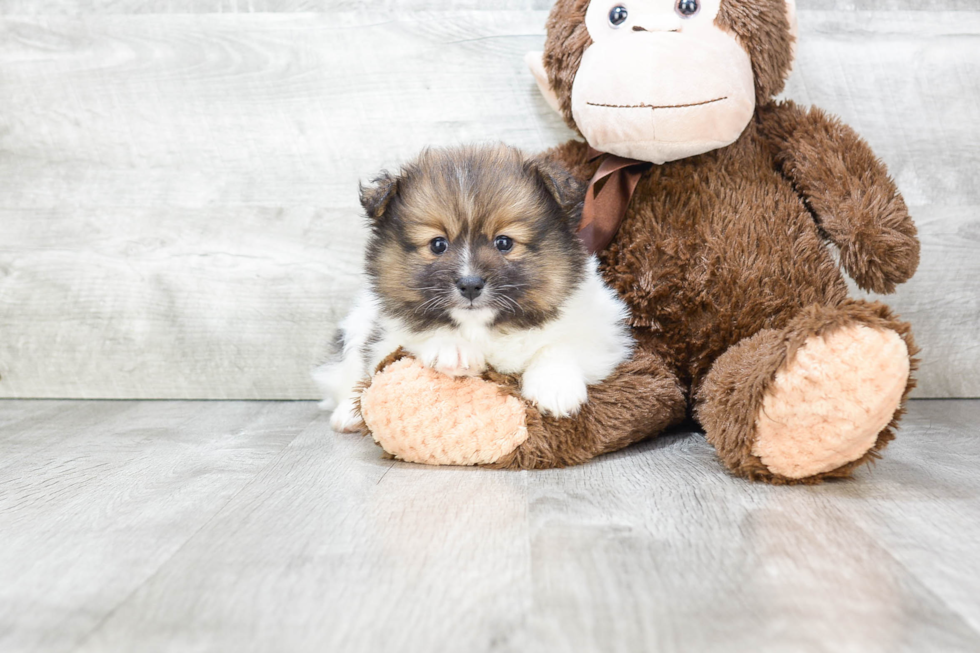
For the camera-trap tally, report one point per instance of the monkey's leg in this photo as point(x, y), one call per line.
point(419, 415)
point(638, 401)
point(814, 400)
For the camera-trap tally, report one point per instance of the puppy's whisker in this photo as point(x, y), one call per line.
point(503, 302)
point(435, 301)
point(514, 302)
point(439, 301)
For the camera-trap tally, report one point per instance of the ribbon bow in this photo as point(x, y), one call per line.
point(608, 197)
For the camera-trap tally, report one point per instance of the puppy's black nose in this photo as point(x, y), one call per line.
point(470, 287)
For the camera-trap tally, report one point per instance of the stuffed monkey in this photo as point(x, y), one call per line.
point(713, 209)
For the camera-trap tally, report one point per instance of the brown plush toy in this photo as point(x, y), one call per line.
point(723, 255)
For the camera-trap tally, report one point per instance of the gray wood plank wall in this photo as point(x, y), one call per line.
point(178, 209)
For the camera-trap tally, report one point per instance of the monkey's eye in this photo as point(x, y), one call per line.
point(688, 8)
point(618, 15)
point(438, 245)
point(503, 243)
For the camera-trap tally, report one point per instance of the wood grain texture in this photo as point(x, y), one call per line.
point(177, 526)
point(180, 215)
point(95, 496)
point(750, 567)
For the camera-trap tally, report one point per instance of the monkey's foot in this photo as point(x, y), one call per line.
point(827, 407)
point(419, 415)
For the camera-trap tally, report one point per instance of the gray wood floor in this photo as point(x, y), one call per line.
point(174, 526)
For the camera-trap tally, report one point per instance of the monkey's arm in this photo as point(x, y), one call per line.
point(848, 190)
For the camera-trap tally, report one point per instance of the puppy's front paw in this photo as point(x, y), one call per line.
point(454, 358)
point(557, 390)
point(469, 361)
point(345, 418)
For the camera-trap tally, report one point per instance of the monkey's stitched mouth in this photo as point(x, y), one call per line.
point(654, 106)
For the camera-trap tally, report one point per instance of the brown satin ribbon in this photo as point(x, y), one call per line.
point(608, 197)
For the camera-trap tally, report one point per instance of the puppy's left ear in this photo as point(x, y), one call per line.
point(376, 197)
point(567, 190)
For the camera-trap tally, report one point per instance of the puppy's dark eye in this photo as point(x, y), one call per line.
point(618, 15)
point(688, 8)
point(438, 245)
point(503, 243)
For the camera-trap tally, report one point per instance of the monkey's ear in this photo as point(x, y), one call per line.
point(375, 198)
point(794, 24)
point(567, 190)
point(535, 61)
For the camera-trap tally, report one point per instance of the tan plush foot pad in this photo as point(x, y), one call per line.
point(828, 406)
point(419, 415)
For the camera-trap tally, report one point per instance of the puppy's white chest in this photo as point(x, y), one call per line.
point(511, 353)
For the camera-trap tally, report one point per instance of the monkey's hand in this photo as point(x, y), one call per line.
point(847, 188)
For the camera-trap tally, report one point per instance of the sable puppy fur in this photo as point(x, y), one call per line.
point(535, 203)
point(473, 261)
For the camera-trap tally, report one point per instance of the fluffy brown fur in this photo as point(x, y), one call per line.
point(855, 202)
point(762, 27)
point(627, 407)
point(723, 257)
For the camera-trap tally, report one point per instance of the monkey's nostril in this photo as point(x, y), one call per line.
point(470, 287)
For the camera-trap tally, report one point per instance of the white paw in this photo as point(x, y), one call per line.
point(345, 418)
point(557, 390)
point(454, 358)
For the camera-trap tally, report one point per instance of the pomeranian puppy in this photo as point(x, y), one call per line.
point(473, 260)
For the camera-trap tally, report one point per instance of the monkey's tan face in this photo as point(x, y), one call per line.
point(661, 81)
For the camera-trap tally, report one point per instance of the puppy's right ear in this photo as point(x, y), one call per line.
point(568, 191)
point(376, 197)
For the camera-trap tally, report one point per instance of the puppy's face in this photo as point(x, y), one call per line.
point(474, 235)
